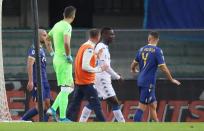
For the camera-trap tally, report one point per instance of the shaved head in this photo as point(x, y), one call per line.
point(107, 35)
point(42, 33)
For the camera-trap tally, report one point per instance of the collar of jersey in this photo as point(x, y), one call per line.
point(91, 42)
point(152, 44)
point(34, 46)
point(104, 44)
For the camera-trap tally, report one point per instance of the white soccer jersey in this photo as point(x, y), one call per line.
point(105, 58)
point(103, 80)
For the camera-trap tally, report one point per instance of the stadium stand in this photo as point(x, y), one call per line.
point(183, 51)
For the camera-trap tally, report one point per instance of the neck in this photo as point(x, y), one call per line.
point(154, 44)
point(68, 20)
point(92, 41)
point(105, 42)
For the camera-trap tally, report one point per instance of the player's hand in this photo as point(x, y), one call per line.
point(52, 54)
point(30, 86)
point(121, 80)
point(134, 71)
point(176, 82)
point(69, 59)
point(104, 67)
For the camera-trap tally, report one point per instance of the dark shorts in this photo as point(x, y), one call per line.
point(89, 93)
point(147, 95)
point(45, 91)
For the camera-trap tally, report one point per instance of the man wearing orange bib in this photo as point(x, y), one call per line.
point(85, 69)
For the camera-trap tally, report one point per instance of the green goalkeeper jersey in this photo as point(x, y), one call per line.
point(57, 33)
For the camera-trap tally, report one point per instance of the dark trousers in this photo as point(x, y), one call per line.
point(89, 93)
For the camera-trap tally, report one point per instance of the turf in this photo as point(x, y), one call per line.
point(93, 126)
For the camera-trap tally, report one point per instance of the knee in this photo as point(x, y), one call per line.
point(94, 104)
point(47, 106)
point(89, 106)
point(142, 106)
point(114, 104)
point(153, 107)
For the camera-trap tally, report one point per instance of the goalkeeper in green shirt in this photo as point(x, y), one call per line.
point(60, 34)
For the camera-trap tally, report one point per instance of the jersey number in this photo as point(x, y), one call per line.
point(144, 58)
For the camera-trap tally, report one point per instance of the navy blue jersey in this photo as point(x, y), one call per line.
point(149, 58)
point(31, 53)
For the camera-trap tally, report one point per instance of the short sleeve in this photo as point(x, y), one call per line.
point(31, 52)
point(103, 56)
point(137, 56)
point(68, 31)
point(160, 57)
point(98, 47)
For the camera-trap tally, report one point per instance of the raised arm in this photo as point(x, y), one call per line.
point(48, 45)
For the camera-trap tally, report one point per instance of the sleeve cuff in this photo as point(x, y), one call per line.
point(161, 65)
point(136, 61)
point(31, 57)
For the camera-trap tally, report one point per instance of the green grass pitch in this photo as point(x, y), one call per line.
point(97, 126)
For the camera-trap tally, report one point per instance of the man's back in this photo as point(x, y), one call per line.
point(149, 58)
point(83, 77)
point(57, 33)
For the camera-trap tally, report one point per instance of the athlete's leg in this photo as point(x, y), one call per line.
point(153, 111)
point(153, 106)
point(86, 112)
point(33, 111)
point(77, 98)
point(92, 97)
point(143, 92)
point(139, 112)
point(113, 102)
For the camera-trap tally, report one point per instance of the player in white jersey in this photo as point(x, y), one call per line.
point(103, 83)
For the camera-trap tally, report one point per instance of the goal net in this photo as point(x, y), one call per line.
point(4, 110)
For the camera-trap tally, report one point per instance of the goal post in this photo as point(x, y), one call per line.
point(4, 109)
point(34, 4)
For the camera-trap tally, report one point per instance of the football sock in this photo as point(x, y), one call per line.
point(85, 114)
point(46, 117)
point(99, 113)
point(55, 105)
point(138, 115)
point(118, 114)
point(63, 101)
point(29, 114)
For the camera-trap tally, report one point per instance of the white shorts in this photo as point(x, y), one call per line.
point(104, 88)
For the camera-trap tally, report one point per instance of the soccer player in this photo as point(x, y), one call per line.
point(62, 61)
point(85, 69)
point(149, 58)
point(32, 80)
point(103, 80)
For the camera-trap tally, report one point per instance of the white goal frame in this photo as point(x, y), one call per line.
point(4, 109)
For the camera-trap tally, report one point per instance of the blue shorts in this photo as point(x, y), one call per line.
point(147, 95)
point(45, 91)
